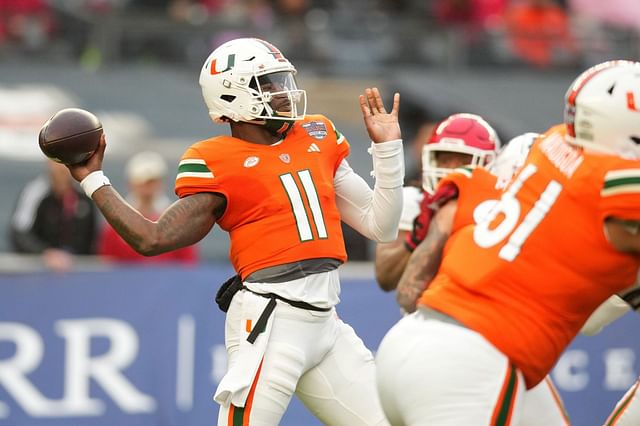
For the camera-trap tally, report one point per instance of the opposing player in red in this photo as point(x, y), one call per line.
point(459, 140)
point(279, 185)
point(465, 195)
point(515, 289)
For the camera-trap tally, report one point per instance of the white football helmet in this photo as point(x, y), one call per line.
point(248, 79)
point(512, 156)
point(463, 133)
point(602, 109)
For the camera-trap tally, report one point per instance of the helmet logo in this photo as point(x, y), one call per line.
point(273, 50)
point(285, 158)
point(231, 60)
point(251, 161)
point(631, 102)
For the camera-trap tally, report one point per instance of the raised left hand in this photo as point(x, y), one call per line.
point(381, 125)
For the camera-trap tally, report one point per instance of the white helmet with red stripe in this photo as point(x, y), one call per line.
point(602, 109)
point(466, 134)
point(248, 79)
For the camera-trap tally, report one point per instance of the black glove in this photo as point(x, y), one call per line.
point(226, 292)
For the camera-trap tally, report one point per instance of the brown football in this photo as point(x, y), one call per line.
point(71, 136)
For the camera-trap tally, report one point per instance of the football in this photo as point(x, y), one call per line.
point(71, 136)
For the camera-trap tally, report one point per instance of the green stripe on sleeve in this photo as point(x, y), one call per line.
point(621, 181)
point(625, 181)
point(193, 168)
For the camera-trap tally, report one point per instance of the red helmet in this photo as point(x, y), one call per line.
point(459, 133)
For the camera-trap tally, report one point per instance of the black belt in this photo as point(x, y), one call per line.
point(268, 310)
point(234, 284)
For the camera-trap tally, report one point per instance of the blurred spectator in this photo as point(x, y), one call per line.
point(53, 217)
point(145, 173)
point(453, 11)
point(195, 11)
point(619, 13)
point(477, 13)
point(539, 32)
point(29, 23)
point(290, 21)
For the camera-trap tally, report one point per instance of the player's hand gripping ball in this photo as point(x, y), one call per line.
point(71, 136)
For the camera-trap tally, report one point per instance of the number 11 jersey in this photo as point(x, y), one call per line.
point(281, 204)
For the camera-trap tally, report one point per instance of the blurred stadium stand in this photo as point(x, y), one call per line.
point(135, 63)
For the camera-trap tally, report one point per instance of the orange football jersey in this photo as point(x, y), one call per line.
point(529, 275)
point(280, 198)
point(475, 186)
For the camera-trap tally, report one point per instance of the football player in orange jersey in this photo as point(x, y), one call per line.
point(459, 140)
point(279, 185)
point(474, 191)
point(513, 290)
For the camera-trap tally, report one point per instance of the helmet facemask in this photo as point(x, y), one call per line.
point(471, 140)
point(432, 172)
point(279, 100)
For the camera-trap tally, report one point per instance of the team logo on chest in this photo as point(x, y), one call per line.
point(251, 161)
point(315, 129)
point(285, 158)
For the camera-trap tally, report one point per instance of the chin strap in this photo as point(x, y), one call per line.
point(278, 127)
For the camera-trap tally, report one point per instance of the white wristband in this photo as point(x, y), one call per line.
point(93, 182)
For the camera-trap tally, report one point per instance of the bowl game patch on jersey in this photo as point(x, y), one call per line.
point(315, 129)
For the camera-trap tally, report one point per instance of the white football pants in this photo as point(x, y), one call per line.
point(627, 410)
point(313, 354)
point(435, 373)
point(543, 406)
